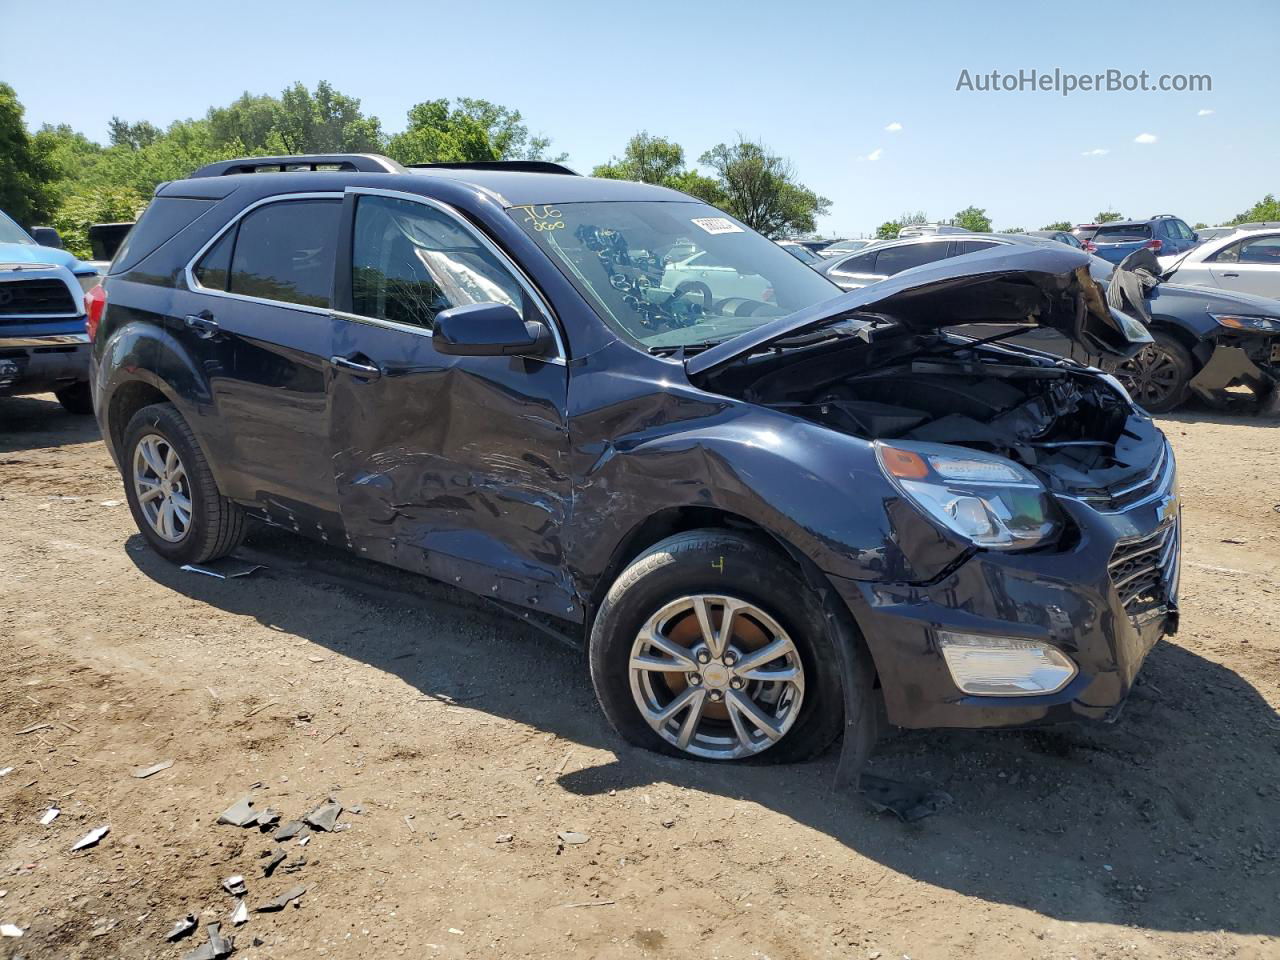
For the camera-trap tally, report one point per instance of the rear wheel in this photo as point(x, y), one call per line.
point(710, 645)
point(77, 398)
point(1157, 376)
point(171, 491)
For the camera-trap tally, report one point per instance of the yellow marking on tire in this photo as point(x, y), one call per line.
point(718, 565)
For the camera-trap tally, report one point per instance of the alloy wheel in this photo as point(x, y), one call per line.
point(161, 485)
point(1151, 376)
point(716, 677)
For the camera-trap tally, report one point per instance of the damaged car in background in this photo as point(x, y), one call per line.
point(774, 513)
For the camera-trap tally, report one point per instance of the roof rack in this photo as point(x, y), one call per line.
point(516, 166)
point(351, 162)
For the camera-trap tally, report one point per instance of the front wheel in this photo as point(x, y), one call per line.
point(709, 645)
point(1157, 376)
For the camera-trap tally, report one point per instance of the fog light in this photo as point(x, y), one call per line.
point(1004, 667)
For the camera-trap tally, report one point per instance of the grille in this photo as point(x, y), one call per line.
point(1144, 571)
point(35, 297)
point(1122, 498)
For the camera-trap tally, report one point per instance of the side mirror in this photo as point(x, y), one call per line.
point(489, 330)
point(46, 237)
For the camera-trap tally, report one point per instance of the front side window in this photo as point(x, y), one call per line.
point(671, 273)
point(896, 259)
point(285, 251)
point(410, 261)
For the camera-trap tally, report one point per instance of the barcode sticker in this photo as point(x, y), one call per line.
point(717, 225)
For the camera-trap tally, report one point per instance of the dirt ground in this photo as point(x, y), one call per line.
point(455, 728)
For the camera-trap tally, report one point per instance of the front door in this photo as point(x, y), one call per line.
point(1251, 265)
point(257, 319)
point(456, 467)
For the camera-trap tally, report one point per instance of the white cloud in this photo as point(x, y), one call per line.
point(894, 127)
point(1145, 138)
point(874, 154)
point(1095, 152)
point(1203, 113)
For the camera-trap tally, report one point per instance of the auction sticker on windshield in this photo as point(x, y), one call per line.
point(717, 225)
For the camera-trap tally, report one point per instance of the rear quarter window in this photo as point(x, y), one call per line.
point(164, 219)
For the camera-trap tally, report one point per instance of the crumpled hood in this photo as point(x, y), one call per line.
point(25, 253)
point(1007, 284)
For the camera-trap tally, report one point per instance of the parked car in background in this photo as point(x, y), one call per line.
point(923, 229)
point(43, 346)
point(1213, 233)
point(773, 520)
point(1203, 341)
point(800, 252)
point(1084, 233)
point(817, 246)
point(843, 247)
point(1246, 261)
point(1162, 234)
point(1061, 236)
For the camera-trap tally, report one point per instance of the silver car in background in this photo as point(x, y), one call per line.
point(1243, 261)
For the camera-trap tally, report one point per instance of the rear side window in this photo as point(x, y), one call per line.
point(410, 261)
point(1118, 233)
point(896, 259)
point(160, 222)
point(284, 251)
point(864, 263)
point(214, 269)
point(971, 246)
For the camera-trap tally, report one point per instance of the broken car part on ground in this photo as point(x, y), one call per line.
point(769, 507)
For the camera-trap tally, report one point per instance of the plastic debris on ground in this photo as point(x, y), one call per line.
point(242, 813)
point(234, 885)
point(240, 914)
point(325, 816)
point(225, 569)
point(182, 928)
point(49, 816)
point(282, 901)
point(10, 930)
point(215, 947)
point(91, 838)
point(143, 772)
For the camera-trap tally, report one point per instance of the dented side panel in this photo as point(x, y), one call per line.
point(455, 467)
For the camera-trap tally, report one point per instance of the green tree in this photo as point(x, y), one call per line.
point(71, 154)
point(250, 120)
point(1200, 226)
point(888, 230)
point(26, 173)
point(467, 130)
point(325, 122)
point(759, 188)
point(1013, 230)
point(94, 205)
point(660, 161)
point(973, 218)
point(1268, 208)
point(1108, 216)
point(137, 135)
point(1058, 225)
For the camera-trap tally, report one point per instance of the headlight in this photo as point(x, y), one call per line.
point(1250, 324)
point(988, 500)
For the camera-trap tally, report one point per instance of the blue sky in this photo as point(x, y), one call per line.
point(818, 82)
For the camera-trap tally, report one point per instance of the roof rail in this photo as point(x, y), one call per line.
point(516, 166)
point(351, 162)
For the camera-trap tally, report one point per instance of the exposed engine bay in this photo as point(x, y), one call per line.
point(1070, 425)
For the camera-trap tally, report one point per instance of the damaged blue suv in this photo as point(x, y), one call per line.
point(769, 507)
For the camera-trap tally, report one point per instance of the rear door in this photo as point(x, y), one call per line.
point(257, 320)
point(452, 466)
point(1251, 265)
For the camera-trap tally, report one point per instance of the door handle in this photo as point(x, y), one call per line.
point(367, 371)
point(1231, 275)
point(202, 324)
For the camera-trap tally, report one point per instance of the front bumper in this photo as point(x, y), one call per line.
point(1072, 599)
point(42, 362)
point(1240, 360)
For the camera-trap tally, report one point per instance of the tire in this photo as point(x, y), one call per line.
point(729, 566)
point(1157, 376)
point(77, 398)
point(215, 525)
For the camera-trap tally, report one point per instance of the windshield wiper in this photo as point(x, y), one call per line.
point(683, 348)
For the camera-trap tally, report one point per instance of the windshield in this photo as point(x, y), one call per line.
point(671, 274)
point(10, 232)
